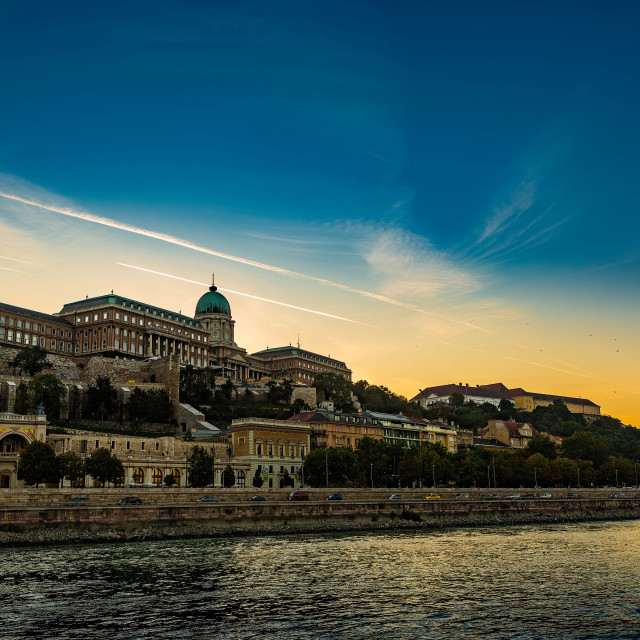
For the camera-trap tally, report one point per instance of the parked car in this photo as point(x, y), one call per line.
point(530, 496)
point(514, 496)
point(257, 499)
point(432, 496)
point(545, 495)
point(462, 495)
point(396, 496)
point(207, 499)
point(79, 501)
point(572, 495)
point(617, 495)
point(335, 496)
point(298, 495)
point(494, 496)
point(130, 500)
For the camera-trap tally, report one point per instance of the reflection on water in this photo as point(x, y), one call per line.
point(568, 581)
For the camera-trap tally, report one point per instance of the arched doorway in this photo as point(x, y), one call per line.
point(176, 476)
point(12, 444)
point(138, 475)
point(241, 479)
point(156, 478)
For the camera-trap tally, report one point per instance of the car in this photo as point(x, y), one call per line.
point(130, 500)
point(494, 496)
point(530, 496)
point(79, 501)
point(335, 496)
point(207, 499)
point(396, 496)
point(299, 495)
point(546, 496)
point(257, 499)
point(462, 495)
point(572, 495)
point(514, 496)
point(432, 496)
point(617, 495)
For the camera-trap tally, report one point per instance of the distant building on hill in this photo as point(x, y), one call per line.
point(495, 392)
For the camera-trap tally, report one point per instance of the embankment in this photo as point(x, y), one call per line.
point(68, 525)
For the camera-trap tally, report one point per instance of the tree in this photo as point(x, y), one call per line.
point(169, 480)
point(456, 399)
point(30, 360)
point(585, 446)
point(257, 478)
point(102, 398)
point(71, 466)
point(336, 388)
point(196, 385)
point(543, 445)
point(104, 466)
point(39, 464)
point(152, 405)
point(228, 477)
point(506, 405)
point(46, 389)
point(200, 467)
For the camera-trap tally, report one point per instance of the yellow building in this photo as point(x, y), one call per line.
point(333, 429)
point(514, 434)
point(274, 447)
point(146, 460)
point(528, 401)
point(16, 433)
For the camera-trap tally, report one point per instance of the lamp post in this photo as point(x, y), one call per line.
point(493, 462)
point(578, 477)
point(326, 467)
point(488, 476)
point(433, 471)
point(372, 475)
point(535, 476)
point(635, 468)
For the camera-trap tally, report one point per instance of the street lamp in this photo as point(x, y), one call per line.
point(578, 477)
point(535, 476)
point(433, 471)
point(635, 468)
point(326, 467)
point(372, 475)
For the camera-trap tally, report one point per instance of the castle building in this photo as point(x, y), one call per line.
point(299, 364)
point(115, 326)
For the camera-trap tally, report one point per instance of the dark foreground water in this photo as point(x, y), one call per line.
point(559, 581)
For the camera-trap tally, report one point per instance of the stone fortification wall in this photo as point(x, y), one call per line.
point(59, 525)
point(61, 366)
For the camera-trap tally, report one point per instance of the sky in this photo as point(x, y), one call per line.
point(436, 192)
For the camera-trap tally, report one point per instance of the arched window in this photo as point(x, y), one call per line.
point(138, 476)
point(241, 479)
point(156, 478)
point(176, 476)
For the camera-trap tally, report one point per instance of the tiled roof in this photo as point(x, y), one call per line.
point(550, 397)
point(445, 390)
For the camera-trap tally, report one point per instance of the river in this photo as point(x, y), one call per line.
point(556, 581)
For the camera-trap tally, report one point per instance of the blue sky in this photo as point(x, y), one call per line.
point(474, 160)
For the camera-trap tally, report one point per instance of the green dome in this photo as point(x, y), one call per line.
point(213, 302)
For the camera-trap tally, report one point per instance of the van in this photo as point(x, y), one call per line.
point(298, 495)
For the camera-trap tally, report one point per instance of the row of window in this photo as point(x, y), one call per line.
point(270, 448)
point(138, 321)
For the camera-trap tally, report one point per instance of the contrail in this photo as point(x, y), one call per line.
point(14, 270)
point(239, 293)
point(16, 260)
point(115, 224)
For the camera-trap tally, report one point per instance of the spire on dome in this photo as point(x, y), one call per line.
point(213, 283)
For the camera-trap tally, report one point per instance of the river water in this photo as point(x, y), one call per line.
point(556, 581)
